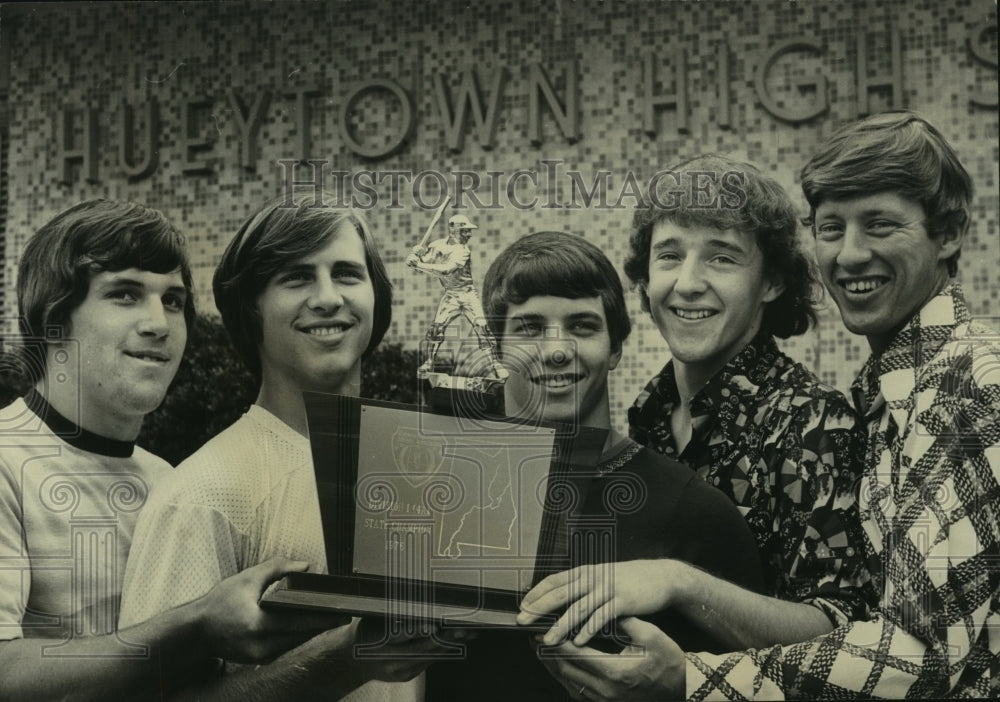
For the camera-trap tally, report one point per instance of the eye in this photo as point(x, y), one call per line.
point(723, 259)
point(668, 257)
point(584, 328)
point(525, 328)
point(174, 303)
point(123, 295)
point(350, 275)
point(829, 231)
point(293, 278)
point(881, 227)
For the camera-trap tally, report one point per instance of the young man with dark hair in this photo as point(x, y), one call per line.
point(104, 291)
point(304, 295)
point(556, 305)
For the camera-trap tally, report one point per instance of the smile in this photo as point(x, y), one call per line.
point(148, 356)
point(556, 381)
point(693, 314)
point(327, 330)
point(862, 286)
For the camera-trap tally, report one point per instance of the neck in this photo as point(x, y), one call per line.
point(614, 438)
point(67, 400)
point(693, 377)
point(284, 400)
point(878, 343)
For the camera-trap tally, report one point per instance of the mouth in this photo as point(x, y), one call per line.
point(326, 329)
point(693, 314)
point(149, 356)
point(862, 286)
point(556, 381)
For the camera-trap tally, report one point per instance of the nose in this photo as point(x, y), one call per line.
point(325, 296)
point(154, 322)
point(854, 249)
point(557, 350)
point(690, 278)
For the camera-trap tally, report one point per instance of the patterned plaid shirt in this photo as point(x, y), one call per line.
point(930, 502)
point(785, 449)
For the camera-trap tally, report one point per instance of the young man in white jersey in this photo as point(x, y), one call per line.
point(304, 295)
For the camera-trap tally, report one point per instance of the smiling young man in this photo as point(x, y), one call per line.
point(556, 304)
point(890, 209)
point(104, 291)
point(304, 295)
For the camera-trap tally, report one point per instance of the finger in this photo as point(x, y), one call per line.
point(577, 583)
point(588, 602)
point(598, 620)
point(578, 612)
point(539, 591)
point(310, 623)
point(638, 632)
point(275, 568)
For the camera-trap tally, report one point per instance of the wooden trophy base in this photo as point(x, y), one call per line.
point(460, 396)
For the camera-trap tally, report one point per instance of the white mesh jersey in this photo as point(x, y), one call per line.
point(246, 496)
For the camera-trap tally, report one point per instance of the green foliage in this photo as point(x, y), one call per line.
point(213, 389)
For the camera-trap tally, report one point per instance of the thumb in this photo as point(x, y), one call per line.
point(274, 568)
point(637, 630)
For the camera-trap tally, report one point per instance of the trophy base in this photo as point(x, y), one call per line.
point(460, 396)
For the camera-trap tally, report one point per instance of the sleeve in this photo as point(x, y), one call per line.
point(179, 552)
point(820, 542)
point(15, 567)
point(719, 540)
point(935, 633)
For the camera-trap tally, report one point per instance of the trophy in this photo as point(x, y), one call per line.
point(450, 261)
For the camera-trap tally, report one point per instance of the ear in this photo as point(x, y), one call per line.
point(616, 357)
point(951, 242)
point(775, 287)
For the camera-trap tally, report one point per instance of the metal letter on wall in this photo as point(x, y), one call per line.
point(657, 101)
point(818, 82)
point(568, 118)
point(985, 56)
point(249, 124)
point(396, 142)
point(468, 97)
point(126, 146)
point(893, 79)
point(86, 154)
point(192, 139)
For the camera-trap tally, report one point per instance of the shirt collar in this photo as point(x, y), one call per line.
point(73, 434)
point(891, 375)
point(736, 384)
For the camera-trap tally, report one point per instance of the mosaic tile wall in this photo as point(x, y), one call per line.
point(96, 55)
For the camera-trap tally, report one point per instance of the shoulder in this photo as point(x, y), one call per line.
point(223, 474)
point(669, 482)
point(794, 390)
point(961, 383)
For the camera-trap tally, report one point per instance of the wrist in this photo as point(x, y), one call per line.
point(686, 585)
